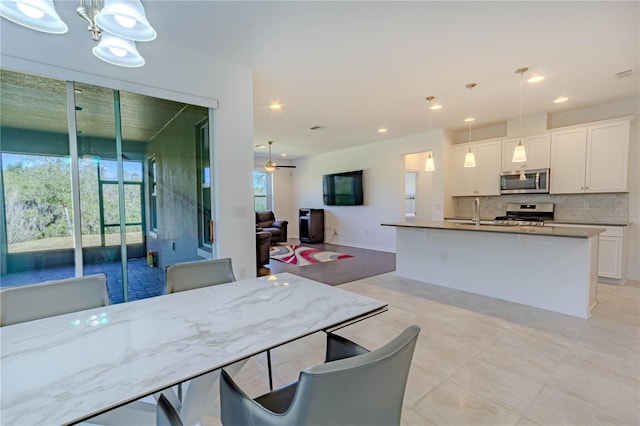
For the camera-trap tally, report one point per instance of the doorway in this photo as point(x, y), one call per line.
point(418, 196)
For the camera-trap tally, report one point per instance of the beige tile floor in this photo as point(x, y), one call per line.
point(481, 361)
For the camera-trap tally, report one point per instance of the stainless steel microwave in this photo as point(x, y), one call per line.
point(525, 182)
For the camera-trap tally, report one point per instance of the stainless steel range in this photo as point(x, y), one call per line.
point(526, 214)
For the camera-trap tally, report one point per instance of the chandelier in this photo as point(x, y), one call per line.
point(115, 24)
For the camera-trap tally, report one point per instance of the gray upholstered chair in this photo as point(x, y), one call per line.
point(354, 386)
point(202, 273)
point(51, 298)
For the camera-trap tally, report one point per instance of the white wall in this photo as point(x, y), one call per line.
point(175, 74)
point(383, 181)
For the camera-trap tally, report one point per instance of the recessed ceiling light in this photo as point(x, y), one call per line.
point(561, 99)
point(260, 146)
point(536, 78)
point(435, 106)
point(469, 119)
point(275, 106)
point(382, 130)
point(283, 155)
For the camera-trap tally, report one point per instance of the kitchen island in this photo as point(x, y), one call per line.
point(545, 267)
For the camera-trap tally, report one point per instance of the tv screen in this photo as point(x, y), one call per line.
point(342, 189)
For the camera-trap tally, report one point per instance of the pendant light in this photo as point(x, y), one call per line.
point(429, 166)
point(270, 166)
point(470, 158)
point(519, 154)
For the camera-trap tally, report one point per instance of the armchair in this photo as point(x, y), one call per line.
point(263, 244)
point(266, 221)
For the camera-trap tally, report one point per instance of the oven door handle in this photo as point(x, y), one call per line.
point(537, 180)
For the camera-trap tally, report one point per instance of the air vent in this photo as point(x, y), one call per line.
point(624, 74)
point(318, 127)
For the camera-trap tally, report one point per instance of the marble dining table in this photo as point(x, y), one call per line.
point(68, 368)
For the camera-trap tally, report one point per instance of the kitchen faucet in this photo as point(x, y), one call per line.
point(476, 212)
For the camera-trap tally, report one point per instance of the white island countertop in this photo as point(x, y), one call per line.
point(552, 231)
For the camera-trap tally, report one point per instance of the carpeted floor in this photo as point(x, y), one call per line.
point(364, 263)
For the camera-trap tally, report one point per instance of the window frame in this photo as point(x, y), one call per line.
point(269, 190)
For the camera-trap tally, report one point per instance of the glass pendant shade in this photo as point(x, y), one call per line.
point(118, 51)
point(39, 15)
point(469, 159)
point(519, 154)
point(126, 19)
point(428, 165)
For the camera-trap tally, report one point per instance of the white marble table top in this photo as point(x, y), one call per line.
point(67, 368)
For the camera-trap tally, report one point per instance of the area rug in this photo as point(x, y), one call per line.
point(301, 256)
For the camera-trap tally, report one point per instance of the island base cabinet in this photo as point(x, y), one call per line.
point(612, 265)
point(547, 272)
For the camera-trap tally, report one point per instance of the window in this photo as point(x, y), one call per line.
point(152, 182)
point(262, 191)
point(204, 186)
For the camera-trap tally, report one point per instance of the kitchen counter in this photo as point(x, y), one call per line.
point(504, 229)
point(552, 268)
point(547, 222)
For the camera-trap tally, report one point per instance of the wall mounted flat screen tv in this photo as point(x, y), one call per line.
point(342, 189)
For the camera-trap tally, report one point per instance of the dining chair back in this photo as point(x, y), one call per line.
point(365, 389)
point(51, 298)
point(202, 393)
point(166, 414)
point(202, 273)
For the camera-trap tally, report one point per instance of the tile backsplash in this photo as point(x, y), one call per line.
point(588, 208)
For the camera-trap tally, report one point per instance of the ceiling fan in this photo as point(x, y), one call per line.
point(271, 166)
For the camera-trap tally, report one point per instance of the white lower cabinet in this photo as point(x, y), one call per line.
point(612, 265)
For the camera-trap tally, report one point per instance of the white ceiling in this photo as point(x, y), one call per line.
point(357, 66)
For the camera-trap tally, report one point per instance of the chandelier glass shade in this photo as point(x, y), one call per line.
point(39, 15)
point(125, 19)
point(118, 51)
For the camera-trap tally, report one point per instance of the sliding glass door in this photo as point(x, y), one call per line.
point(126, 193)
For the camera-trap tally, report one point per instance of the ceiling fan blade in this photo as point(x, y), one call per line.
point(285, 167)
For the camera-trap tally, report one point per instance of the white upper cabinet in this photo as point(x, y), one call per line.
point(538, 149)
point(568, 154)
point(607, 157)
point(484, 179)
point(593, 158)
